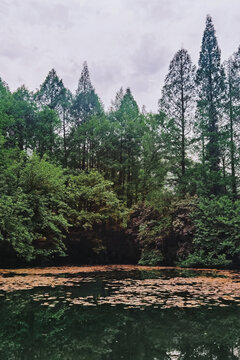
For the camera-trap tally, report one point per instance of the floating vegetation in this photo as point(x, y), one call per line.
point(110, 268)
point(93, 286)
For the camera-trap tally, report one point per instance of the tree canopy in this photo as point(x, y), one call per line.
point(71, 170)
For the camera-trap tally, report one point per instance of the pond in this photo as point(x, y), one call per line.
point(119, 312)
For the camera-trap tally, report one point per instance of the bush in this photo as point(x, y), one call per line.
point(40, 205)
point(168, 228)
point(94, 208)
point(217, 237)
point(151, 257)
point(32, 215)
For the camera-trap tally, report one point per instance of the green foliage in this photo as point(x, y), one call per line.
point(15, 226)
point(151, 163)
point(217, 239)
point(210, 103)
point(166, 229)
point(45, 185)
point(92, 201)
point(151, 257)
point(84, 106)
point(32, 208)
point(93, 206)
point(128, 131)
point(45, 137)
point(51, 92)
point(39, 204)
point(177, 104)
point(153, 171)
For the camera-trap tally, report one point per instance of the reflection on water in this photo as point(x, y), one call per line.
point(113, 315)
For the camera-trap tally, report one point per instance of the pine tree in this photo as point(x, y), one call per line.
point(177, 103)
point(84, 84)
point(50, 92)
point(46, 133)
point(86, 104)
point(233, 111)
point(54, 96)
point(64, 112)
point(116, 103)
point(210, 82)
point(24, 113)
point(128, 129)
point(153, 167)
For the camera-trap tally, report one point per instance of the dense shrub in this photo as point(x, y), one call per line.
point(32, 209)
point(165, 229)
point(151, 257)
point(40, 205)
point(217, 237)
point(94, 209)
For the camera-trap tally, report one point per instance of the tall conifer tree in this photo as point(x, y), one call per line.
point(210, 82)
point(50, 91)
point(129, 130)
point(233, 113)
point(177, 103)
point(86, 104)
point(53, 95)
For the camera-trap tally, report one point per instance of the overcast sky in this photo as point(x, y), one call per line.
point(126, 43)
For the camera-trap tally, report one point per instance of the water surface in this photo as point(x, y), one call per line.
point(119, 312)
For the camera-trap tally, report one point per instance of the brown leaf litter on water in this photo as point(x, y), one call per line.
point(180, 292)
point(219, 288)
point(104, 268)
point(14, 283)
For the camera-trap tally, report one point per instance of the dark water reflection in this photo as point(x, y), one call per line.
point(45, 324)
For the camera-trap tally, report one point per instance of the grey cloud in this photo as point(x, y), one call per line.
point(4, 7)
point(150, 57)
point(150, 61)
point(156, 10)
point(10, 51)
point(16, 50)
point(107, 73)
point(126, 42)
point(43, 13)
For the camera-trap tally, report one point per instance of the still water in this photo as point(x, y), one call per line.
point(119, 312)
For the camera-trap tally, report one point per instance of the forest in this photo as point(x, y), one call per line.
point(83, 185)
